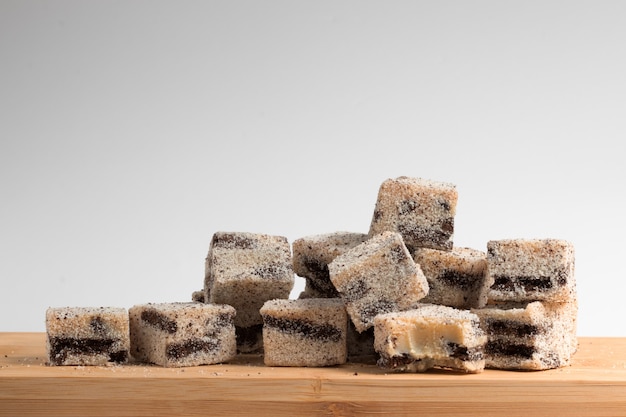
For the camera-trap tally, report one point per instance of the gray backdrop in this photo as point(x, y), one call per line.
point(131, 131)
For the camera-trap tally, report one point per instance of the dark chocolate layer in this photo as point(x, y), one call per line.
point(527, 283)
point(61, 347)
point(318, 277)
point(159, 320)
point(304, 328)
point(182, 349)
point(395, 362)
point(510, 328)
point(500, 348)
point(464, 353)
point(464, 282)
point(428, 237)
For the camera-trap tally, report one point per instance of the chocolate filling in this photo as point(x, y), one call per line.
point(510, 328)
point(394, 362)
point(463, 353)
point(459, 280)
point(428, 237)
point(232, 241)
point(159, 321)
point(318, 277)
point(496, 347)
point(527, 283)
point(191, 346)
point(61, 347)
point(304, 328)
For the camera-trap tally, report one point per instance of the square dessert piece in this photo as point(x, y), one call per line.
point(312, 254)
point(182, 334)
point(430, 336)
point(421, 210)
point(87, 335)
point(377, 276)
point(245, 270)
point(530, 270)
point(529, 336)
point(309, 332)
point(456, 278)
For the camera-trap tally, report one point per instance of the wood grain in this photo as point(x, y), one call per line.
point(595, 385)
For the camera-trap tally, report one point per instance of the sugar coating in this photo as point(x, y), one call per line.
point(87, 335)
point(421, 210)
point(530, 270)
point(377, 276)
point(308, 332)
point(246, 269)
point(529, 336)
point(430, 336)
point(182, 334)
point(456, 278)
point(312, 254)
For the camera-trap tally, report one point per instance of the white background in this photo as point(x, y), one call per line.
point(131, 131)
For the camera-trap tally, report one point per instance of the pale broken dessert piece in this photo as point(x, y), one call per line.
point(530, 270)
point(377, 276)
point(430, 336)
point(182, 334)
point(245, 270)
point(309, 332)
point(421, 210)
point(87, 335)
point(312, 254)
point(529, 336)
point(456, 278)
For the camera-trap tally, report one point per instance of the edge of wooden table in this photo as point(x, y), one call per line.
point(594, 385)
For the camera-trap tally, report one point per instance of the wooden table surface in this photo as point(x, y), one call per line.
point(595, 385)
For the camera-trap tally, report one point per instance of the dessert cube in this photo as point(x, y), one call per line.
point(456, 278)
point(245, 270)
point(421, 210)
point(182, 334)
point(529, 336)
point(308, 332)
point(530, 270)
point(312, 254)
point(377, 276)
point(429, 336)
point(87, 335)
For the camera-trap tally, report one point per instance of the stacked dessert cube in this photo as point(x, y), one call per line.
point(401, 294)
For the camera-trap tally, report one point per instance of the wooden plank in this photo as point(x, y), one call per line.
point(595, 385)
